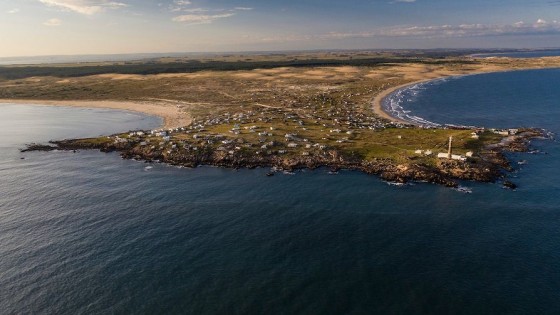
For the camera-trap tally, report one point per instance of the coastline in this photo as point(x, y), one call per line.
point(489, 165)
point(380, 98)
point(207, 145)
point(171, 115)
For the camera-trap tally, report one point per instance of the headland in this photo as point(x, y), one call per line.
point(284, 112)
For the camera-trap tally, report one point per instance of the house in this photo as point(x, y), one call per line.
point(453, 157)
point(501, 132)
point(458, 157)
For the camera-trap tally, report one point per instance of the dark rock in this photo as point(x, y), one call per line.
point(39, 147)
point(510, 185)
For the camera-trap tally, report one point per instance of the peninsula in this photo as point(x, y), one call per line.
point(284, 111)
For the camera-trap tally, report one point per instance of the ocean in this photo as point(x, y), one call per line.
point(90, 233)
point(523, 54)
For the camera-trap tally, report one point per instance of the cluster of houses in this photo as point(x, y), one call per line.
point(340, 120)
point(344, 121)
point(449, 154)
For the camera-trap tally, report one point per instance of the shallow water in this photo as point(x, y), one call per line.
point(91, 233)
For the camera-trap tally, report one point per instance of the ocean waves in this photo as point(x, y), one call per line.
point(394, 104)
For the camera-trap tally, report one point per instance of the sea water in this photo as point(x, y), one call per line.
point(523, 54)
point(89, 233)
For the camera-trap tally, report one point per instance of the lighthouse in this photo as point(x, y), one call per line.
point(450, 151)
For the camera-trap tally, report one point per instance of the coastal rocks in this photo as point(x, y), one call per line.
point(487, 166)
point(400, 174)
point(39, 147)
point(482, 171)
point(521, 141)
point(509, 185)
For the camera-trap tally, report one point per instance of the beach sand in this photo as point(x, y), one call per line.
point(172, 113)
point(417, 74)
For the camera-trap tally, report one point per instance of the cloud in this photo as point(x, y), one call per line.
point(195, 10)
point(13, 11)
point(53, 22)
point(202, 15)
point(469, 30)
point(179, 5)
point(540, 27)
point(86, 7)
point(403, 1)
point(192, 19)
point(463, 30)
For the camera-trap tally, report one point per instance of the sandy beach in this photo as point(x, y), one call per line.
point(378, 101)
point(172, 115)
point(421, 74)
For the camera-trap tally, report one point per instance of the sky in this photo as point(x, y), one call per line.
point(69, 27)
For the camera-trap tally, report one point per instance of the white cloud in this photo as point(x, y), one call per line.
point(179, 5)
point(87, 7)
point(53, 22)
point(202, 15)
point(405, 1)
point(463, 30)
point(540, 27)
point(195, 10)
point(13, 11)
point(201, 18)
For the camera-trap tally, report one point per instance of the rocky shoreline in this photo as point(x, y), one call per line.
point(489, 165)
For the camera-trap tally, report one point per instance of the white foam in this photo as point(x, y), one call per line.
point(393, 104)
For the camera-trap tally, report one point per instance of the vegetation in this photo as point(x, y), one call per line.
point(314, 106)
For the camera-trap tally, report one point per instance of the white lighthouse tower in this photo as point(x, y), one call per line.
point(450, 151)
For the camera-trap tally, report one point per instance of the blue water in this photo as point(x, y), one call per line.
point(523, 54)
point(91, 233)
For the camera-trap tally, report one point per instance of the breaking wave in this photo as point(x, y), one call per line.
point(394, 103)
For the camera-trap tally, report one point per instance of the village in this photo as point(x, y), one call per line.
point(287, 118)
point(312, 134)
